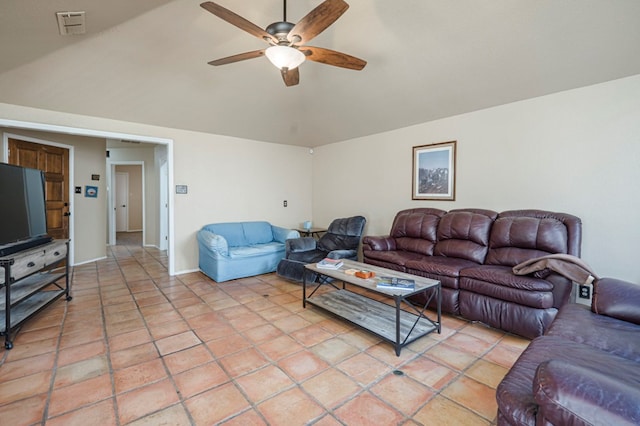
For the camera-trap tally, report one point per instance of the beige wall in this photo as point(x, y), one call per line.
point(88, 214)
point(233, 179)
point(576, 152)
point(229, 179)
point(134, 196)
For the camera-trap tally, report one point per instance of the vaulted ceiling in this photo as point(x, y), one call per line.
point(146, 61)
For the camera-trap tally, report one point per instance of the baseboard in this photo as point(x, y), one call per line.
point(189, 271)
point(89, 261)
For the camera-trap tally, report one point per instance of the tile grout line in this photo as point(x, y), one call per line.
point(160, 356)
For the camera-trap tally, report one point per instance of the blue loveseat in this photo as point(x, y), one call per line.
point(241, 249)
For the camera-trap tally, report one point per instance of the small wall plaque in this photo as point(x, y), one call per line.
point(95, 177)
point(91, 191)
point(181, 189)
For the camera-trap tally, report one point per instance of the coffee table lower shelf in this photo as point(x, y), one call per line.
point(375, 317)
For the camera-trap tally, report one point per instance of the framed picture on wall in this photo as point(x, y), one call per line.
point(91, 191)
point(434, 171)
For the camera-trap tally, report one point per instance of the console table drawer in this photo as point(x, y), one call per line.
point(25, 265)
point(55, 253)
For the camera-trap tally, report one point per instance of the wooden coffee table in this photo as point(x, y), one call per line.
point(387, 321)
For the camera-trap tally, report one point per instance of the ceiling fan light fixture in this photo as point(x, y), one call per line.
point(285, 57)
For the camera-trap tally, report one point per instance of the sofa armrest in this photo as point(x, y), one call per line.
point(385, 243)
point(343, 254)
point(301, 244)
point(281, 234)
point(576, 395)
point(616, 298)
point(215, 243)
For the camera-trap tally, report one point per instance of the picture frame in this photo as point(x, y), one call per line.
point(434, 172)
point(91, 191)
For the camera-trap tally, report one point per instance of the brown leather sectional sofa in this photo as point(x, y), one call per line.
point(585, 370)
point(472, 252)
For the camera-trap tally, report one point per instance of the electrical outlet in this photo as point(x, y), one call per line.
point(284, 203)
point(584, 292)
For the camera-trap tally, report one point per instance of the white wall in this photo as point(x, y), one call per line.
point(229, 179)
point(576, 152)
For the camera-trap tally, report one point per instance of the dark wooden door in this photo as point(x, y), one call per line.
point(54, 161)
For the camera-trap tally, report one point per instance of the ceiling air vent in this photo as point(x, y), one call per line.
point(71, 23)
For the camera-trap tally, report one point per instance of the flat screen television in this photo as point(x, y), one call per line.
point(23, 213)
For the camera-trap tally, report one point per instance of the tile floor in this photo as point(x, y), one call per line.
point(138, 347)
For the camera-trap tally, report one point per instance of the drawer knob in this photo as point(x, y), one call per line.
point(57, 253)
point(31, 264)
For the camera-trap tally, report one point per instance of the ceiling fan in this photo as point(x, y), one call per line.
point(287, 40)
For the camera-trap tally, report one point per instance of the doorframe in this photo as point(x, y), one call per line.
point(27, 125)
point(5, 155)
point(111, 178)
point(164, 205)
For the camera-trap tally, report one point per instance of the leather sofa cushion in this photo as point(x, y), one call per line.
point(503, 276)
point(465, 234)
point(415, 229)
point(499, 283)
point(516, 239)
point(576, 322)
point(616, 298)
point(343, 234)
point(514, 394)
point(578, 395)
point(330, 242)
point(445, 281)
point(396, 257)
point(439, 266)
point(384, 264)
point(533, 299)
point(526, 321)
point(308, 256)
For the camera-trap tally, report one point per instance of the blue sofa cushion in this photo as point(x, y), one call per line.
point(232, 232)
point(257, 233)
point(256, 250)
point(240, 234)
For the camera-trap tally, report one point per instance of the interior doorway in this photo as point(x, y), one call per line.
point(165, 143)
point(127, 203)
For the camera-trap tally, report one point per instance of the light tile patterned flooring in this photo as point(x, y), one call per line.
point(138, 347)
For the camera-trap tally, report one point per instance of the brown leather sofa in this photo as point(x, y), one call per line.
point(472, 253)
point(585, 370)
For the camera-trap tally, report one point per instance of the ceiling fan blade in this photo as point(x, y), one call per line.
point(317, 21)
point(290, 77)
point(237, 20)
point(237, 58)
point(331, 57)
